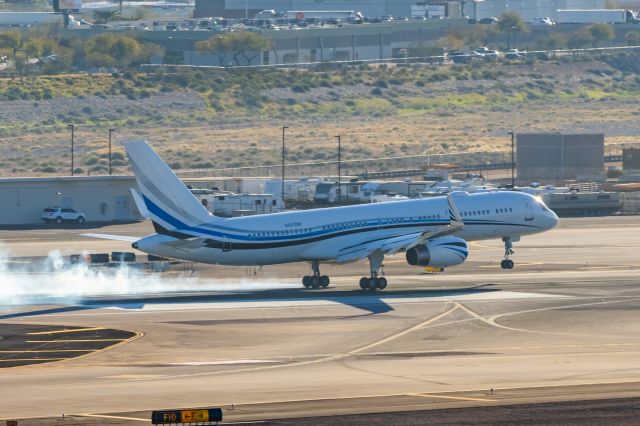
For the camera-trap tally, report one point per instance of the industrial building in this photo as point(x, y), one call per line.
point(558, 157)
point(100, 198)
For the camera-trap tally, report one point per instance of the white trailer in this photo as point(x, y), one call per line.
point(303, 189)
point(231, 205)
point(409, 189)
point(594, 16)
point(30, 18)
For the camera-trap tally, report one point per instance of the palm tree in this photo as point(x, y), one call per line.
point(104, 16)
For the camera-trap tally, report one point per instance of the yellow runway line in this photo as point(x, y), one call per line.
point(106, 416)
point(458, 398)
point(73, 340)
point(72, 330)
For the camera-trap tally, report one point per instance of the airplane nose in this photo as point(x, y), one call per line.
point(553, 219)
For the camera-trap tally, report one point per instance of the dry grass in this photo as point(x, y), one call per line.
point(405, 119)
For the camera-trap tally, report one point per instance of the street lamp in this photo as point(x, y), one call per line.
point(283, 129)
point(513, 162)
point(110, 131)
point(339, 171)
point(72, 128)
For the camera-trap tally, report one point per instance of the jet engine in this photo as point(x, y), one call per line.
point(439, 252)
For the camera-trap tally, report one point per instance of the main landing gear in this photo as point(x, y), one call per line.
point(374, 282)
point(508, 251)
point(316, 280)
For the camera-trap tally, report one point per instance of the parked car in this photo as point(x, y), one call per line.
point(62, 214)
point(513, 54)
point(488, 21)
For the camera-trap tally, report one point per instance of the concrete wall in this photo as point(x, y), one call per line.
point(557, 157)
point(101, 198)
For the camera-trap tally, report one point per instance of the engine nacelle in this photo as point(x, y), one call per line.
point(439, 253)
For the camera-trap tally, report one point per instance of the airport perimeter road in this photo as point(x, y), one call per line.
point(563, 328)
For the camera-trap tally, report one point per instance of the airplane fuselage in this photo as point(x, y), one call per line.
point(321, 234)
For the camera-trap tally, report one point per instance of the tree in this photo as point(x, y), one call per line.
point(241, 43)
point(105, 15)
point(216, 46)
point(601, 33)
point(451, 42)
point(12, 40)
point(511, 23)
point(553, 41)
point(39, 47)
point(580, 39)
point(632, 38)
point(111, 50)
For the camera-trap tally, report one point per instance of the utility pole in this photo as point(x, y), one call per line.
point(339, 171)
point(110, 131)
point(71, 127)
point(283, 133)
point(513, 162)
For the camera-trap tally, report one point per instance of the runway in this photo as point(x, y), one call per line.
point(562, 326)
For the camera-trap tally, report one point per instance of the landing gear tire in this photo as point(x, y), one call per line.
point(324, 281)
point(364, 283)
point(372, 285)
point(382, 283)
point(306, 281)
point(506, 264)
point(315, 281)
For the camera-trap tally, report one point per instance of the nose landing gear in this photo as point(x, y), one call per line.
point(508, 251)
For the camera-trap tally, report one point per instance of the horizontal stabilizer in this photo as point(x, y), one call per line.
point(112, 237)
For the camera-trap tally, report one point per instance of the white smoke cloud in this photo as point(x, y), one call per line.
point(55, 281)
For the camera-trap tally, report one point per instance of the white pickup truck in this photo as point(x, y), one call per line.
point(62, 214)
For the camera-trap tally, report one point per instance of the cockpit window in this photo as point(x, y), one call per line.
point(543, 206)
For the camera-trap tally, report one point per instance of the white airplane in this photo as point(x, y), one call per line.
point(432, 232)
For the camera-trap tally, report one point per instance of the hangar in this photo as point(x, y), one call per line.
point(101, 198)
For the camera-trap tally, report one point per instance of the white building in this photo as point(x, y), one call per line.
point(100, 198)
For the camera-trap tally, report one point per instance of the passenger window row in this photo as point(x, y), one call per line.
point(345, 225)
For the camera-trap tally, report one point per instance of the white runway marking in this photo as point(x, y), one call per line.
point(339, 301)
point(225, 362)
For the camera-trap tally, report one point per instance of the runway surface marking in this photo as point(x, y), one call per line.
point(331, 301)
point(227, 362)
point(137, 335)
point(460, 398)
point(400, 334)
point(106, 416)
point(493, 318)
point(504, 327)
point(72, 330)
point(46, 350)
point(72, 340)
point(31, 359)
point(334, 357)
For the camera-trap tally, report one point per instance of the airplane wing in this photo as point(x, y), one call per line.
point(112, 237)
point(389, 246)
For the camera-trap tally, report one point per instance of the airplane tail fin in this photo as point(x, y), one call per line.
point(167, 200)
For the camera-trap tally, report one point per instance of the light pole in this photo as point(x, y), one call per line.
point(283, 129)
point(72, 128)
point(513, 161)
point(110, 131)
point(339, 171)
